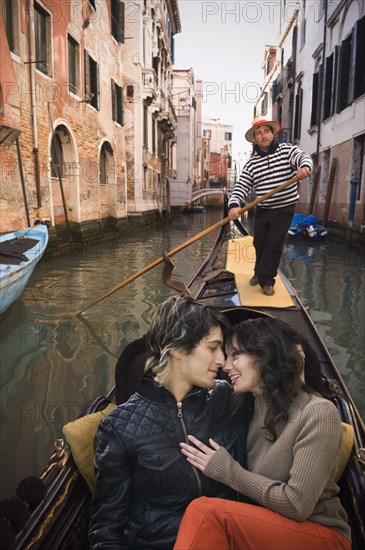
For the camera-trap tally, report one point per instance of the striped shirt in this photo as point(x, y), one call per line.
point(265, 171)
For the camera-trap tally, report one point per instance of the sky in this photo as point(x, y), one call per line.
point(224, 42)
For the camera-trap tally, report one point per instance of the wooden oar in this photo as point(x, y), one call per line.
point(187, 243)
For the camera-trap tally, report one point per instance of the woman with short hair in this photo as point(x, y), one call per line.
point(143, 483)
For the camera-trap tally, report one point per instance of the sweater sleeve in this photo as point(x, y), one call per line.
point(313, 457)
point(299, 159)
point(110, 501)
point(241, 189)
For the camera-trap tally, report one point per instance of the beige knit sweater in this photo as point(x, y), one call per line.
point(292, 475)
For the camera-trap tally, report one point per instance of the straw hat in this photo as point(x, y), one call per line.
point(261, 121)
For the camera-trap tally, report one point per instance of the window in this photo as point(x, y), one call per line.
point(117, 103)
point(357, 64)
point(73, 65)
point(11, 23)
point(343, 98)
point(228, 136)
point(264, 104)
point(358, 162)
point(42, 22)
point(145, 124)
point(153, 135)
point(106, 164)
point(92, 81)
point(117, 23)
point(316, 97)
point(328, 87)
point(56, 157)
point(351, 68)
point(298, 112)
point(155, 63)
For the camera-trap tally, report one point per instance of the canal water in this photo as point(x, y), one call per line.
point(52, 365)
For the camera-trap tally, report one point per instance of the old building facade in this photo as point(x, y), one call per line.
point(317, 92)
point(219, 134)
point(82, 99)
point(150, 115)
point(187, 100)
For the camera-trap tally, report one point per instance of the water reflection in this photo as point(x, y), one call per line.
point(53, 365)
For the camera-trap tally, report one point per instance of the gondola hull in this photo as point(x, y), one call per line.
point(15, 276)
point(61, 520)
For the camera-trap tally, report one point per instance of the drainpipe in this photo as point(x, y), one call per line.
point(320, 85)
point(32, 61)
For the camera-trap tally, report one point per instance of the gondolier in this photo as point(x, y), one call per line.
point(270, 165)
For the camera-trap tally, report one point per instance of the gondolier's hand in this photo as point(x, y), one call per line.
point(200, 456)
point(303, 172)
point(233, 213)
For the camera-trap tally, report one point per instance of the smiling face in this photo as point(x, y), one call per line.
point(197, 368)
point(242, 369)
point(264, 137)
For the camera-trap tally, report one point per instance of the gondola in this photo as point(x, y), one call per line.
point(61, 520)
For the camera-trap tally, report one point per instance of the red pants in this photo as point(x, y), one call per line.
point(215, 524)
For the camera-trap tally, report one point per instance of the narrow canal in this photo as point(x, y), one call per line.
point(52, 365)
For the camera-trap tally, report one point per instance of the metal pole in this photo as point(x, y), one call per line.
point(20, 162)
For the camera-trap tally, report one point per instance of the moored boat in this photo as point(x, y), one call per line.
point(303, 226)
point(20, 251)
point(61, 519)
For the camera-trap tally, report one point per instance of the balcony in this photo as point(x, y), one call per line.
point(149, 84)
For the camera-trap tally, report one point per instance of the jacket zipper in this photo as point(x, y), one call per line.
point(180, 416)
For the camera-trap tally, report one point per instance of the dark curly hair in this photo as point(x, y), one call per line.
point(274, 344)
point(179, 323)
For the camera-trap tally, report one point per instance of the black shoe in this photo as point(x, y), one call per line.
point(254, 281)
point(268, 290)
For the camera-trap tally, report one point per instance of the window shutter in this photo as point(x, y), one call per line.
point(120, 21)
point(343, 75)
point(358, 66)
point(328, 87)
point(314, 99)
point(122, 106)
point(113, 100)
point(334, 88)
point(96, 98)
point(119, 94)
point(87, 72)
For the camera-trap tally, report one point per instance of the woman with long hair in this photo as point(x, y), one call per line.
point(294, 435)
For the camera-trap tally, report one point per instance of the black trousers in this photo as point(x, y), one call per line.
point(270, 228)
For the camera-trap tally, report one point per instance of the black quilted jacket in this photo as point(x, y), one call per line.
point(143, 482)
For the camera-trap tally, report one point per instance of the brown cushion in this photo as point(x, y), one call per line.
point(344, 452)
point(80, 438)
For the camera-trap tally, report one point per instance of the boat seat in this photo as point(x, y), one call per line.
point(344, 452)
point(79, 436)
point(80, 433)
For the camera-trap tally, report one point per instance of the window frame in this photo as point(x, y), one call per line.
point(91, 81)
point(11, 21)
point(117, 23)
point(43, 39)
point(74, 88)
point(117, 103)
